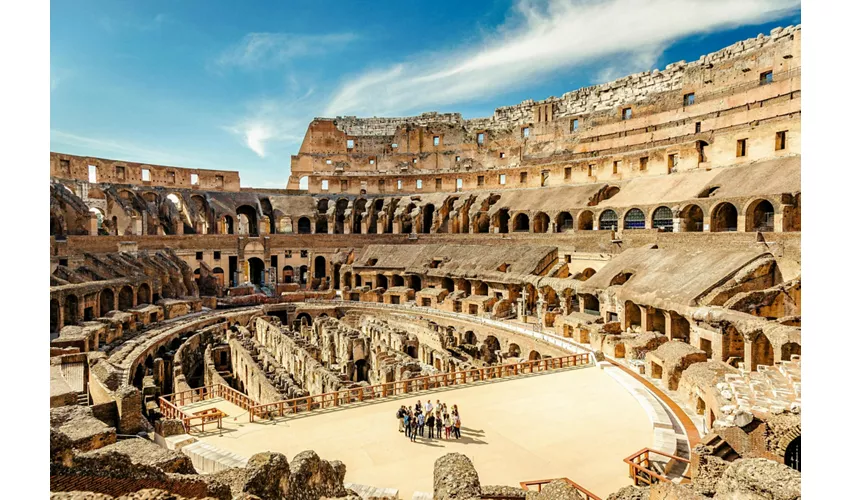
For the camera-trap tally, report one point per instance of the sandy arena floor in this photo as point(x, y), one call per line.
point(578, 423)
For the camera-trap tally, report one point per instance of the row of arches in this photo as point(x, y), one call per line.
point(71, 309)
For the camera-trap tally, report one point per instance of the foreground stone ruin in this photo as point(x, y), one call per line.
point(647, 227)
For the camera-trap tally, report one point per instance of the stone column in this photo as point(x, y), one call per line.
point(779, 219)
point(678, 223)
point(645, 319)
point(92, 224)
point(668, 324)
point(742, 222)
point(178, 228)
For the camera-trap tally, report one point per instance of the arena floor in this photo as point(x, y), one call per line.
point(578, 423)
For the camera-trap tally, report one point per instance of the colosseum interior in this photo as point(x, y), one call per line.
point(626, 254)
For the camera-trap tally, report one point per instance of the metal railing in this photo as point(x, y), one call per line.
point(641, 474)
point(169, 405)
point(587, 495)
point(379, 391)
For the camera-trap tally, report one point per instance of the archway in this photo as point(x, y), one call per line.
point(481, 223)
point(107, 301)
point(381, 281)
point(303, 225)
point(662, 219)
point(608, 220)
point(631, 316)
point(520, 223)
point(357, 216)
point(794, 454)
point(125, 298)
point(319, 267)
point(733, 346)
point(143, 295)
point(339, 217)
point(415, 282)
point(448, 284)
point(692, 219)
point(790, 349)
point(469, 338)
point(541, 222)
point(564, 222)
point(228, 224)
point(762, 352)
point(635, 219)
point(502, 218)
point(533, 356)
point(585, 221)
point(514, 351)
point(304, 271)
point(71, 310)
point(303, 319)
point(490, 349)
point(724, 218)
point(256, 266)
point(247, 216)
point(288, 274)
point(398, 280)
point(427, 218)
point(361, 371)
point(760, 217)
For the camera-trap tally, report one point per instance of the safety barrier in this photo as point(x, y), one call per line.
point(641, 474)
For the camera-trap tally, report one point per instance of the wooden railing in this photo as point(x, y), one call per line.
point(358, 394)
point(169, 405)
point(205, 418)
point(542, 482)
point(641, 474)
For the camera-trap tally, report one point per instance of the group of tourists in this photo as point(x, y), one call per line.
point(413, 420)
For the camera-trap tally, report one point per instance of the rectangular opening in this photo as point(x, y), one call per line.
point(574, 125)
point(688, 99)
point(217, 255)
point(324, 184)
point(92, 173)
point(480, 137)
point(415, 161)
point(219, 181)
point(418, 183)
point(328, 162)
point(274, 261)
point(438, 183)
point(698, 127)
point(616, 168)
point(172, 177)
point(343, 185)
point(459, 184)
point(501, 155)
point(644, 163)
point(780, 140)
point(371, 161)
point(287, 254)
point(525, 132)
point(394, 145)
point(705, 345)
point(199, 255)
point(65, 167)
point(304, 254)
point(120, 173)
point(591, 170)
point(544, 178)
point(766, 77)
point(398, 184)
point(193, 178)
point(503, 179)
point(232, 268)
point(672, 162)
point(568, 173)
point(627, 113)
point(436, 140)
point(349, 144)
point(480, 180)
point(523, 177)
point(146, 175)
point(742, 148)
point(457, 158)
point(381, 184)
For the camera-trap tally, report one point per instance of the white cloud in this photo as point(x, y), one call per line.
point(542, 38)
point(275, 120)
point(100, 146)
point(263, 50)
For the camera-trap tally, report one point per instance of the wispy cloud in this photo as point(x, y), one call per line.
point(540, 39)
point(101, 146)
point(267, 50)
point(275, 120)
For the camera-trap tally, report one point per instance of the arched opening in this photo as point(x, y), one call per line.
point(304, 272)
point(288, 274)
point(247, 216)
point(319, 267)
point(268, 211)
point(585, 221)
point(415, 282)
point(692, 219)
point(304, 183)
point(620, 278)
point(71, 310)
point(481, 288)
point(608, 220)
point(381, 281)
point(790, 349)
point(398, 280)
point(587, 273)
point(733, 343)
point(99, 216)
point(564, 222)
point(514, 351)
point(256, 266)
point(411, 351)
point(502, 218)
point(357, 216)
point(724, 218)
point(662, 219)
point(361, 371)
point(533, 356)
point(591, 304)
point(762, 352)
point(631, 316)
point(377, 206)
point(635, 219)
point(791, 215)
point(760, 217)
point(143, 296)
point(218, 274)
point(303, 225)
point(125, 298)
point(520, 223)
point(794, 454)
point(228, 224)
point(541, 222)
point(448, 284)
point(469, 338)
point(54, 316)
point(427, 218)
point(481, 223)
point(490, 349)
point(339, 217)
point(303, 319)
point(107, 301)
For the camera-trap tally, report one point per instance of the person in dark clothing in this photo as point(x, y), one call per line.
point(439, 424)
point(430, 423)
point(420, 421)
point(400, 416)
point(407, 421)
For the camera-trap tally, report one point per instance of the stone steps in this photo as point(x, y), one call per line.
point(372, 492)
point(421, 495)
point(208, 459)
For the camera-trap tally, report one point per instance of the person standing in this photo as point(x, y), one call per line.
point(418, 406)
point(430, 423)
point(428, 407)
point(456, 425)
point(406, 420)
point(400, 416)
point(439, 408)
point(448, 423)
point(439, 424)
point(420, 420)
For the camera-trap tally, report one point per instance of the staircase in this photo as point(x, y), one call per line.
point(83, 399)
point(372, 492)
point(721, 449)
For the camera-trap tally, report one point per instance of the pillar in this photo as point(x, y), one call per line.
point(742, 222)
point(263, 225)
point(178, 229)
point(645, 319)
point(779, 219)
point(678, 222)
point(668, 324)
point(92, 224)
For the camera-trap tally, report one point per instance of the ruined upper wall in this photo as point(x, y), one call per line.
point(65, 166)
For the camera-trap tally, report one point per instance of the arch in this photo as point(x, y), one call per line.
point(304, 271)
point(762, 352)
point(99, 215)
point(427, 218)
point(631, 316)
point(357, 215)
point(662, 219)
point(415, 282)
point(724, 218)
point(794, 454)
point(304, 225)
point(72, 305)
point(790, 349)
point(533, 355)
point(107, 301)
point(587, 273)
point(125, 298)
point(635, 219)
point(520, 224)
point(608, 220)
point(143, 295)
point(339, 217)
point(693, 220)
point(481, 223)
point(267, 210)
point(514, 351)
point(228, 225)
point(481, 288)
point(502, 219)
point(381, 281)
point(759, 216)
point(289, 274)
point(247, 216)
point(256, 268)
point(199, 203)
point(319, 267)
point(469, 337)
point(585, 221)
point(541, 222)
point(218, 274)
point(621, 278)
point(304, 318)
point(54, 316)
point(361, 371)
point(490, 349)
point(321, 225)
point(304, 183)
point(398, 280)
point(791, 215)
point(411, 351)
point(346, 280)
point(563, 222)
point(448, 284)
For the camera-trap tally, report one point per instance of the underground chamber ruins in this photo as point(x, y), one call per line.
point(612, 276)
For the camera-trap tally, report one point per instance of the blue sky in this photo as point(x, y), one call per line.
point(233, 85)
